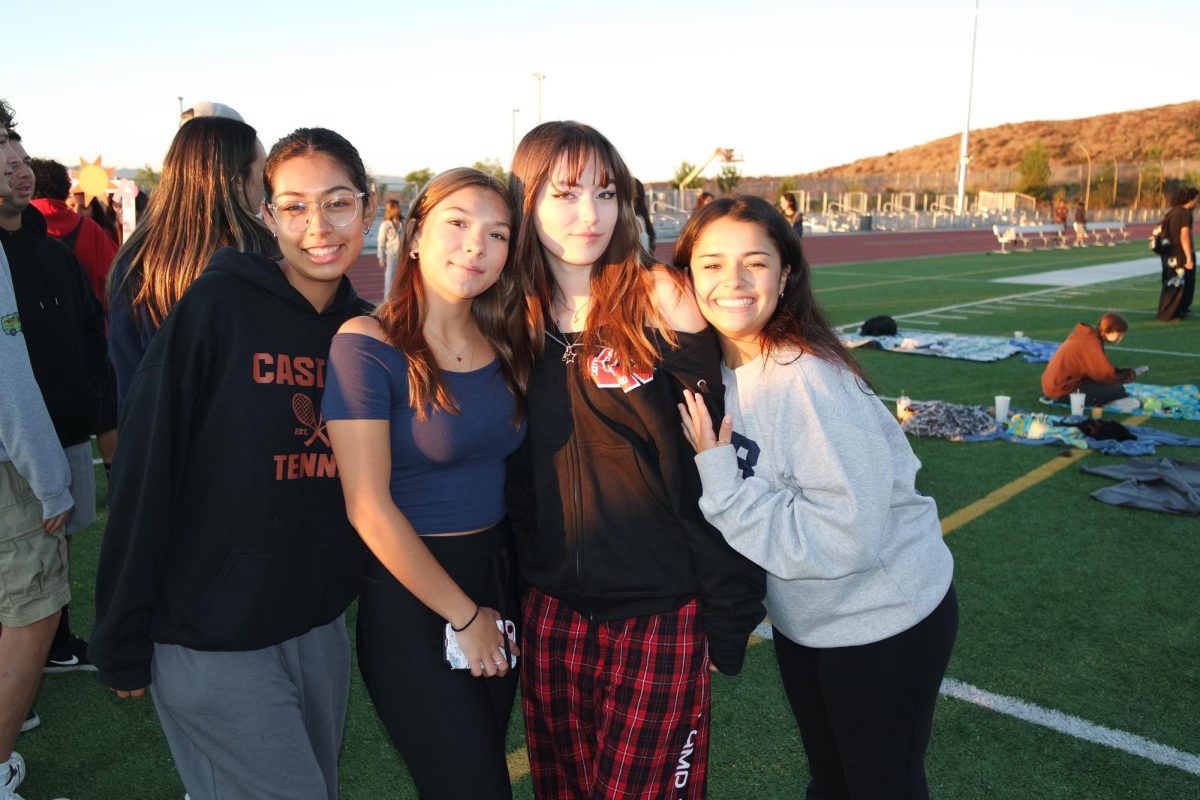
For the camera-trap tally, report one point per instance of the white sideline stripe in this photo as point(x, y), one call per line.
point(1085, 276)
point(1073, 726)
point(1058, 721)
point(941, 316)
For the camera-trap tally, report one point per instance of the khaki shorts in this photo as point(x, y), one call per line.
point(34, 582)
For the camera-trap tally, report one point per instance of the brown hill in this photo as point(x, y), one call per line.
point(1124, 136)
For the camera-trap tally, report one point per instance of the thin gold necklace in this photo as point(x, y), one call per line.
point(457, 356)
point(574, 314)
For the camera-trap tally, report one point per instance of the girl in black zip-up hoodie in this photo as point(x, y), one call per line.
point(629, 594)
point(228, 560)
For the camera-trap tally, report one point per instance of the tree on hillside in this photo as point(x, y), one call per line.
point(1034, 171)
point(682, 171)
point(728, 179)
point(147, 179)
point(493, 167)
point(417, 179)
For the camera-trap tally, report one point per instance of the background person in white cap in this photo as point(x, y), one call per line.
point(207, 108)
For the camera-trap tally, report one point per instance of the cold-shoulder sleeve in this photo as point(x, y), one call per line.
point(360, 378)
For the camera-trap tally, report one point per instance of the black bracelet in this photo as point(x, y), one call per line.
point(464, 627)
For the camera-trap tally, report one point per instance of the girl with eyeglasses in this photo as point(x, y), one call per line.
point(425, 402)
point(630, 594)
point(228, 560)
point(811, 477)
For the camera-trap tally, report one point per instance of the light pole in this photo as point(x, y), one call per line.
point(1087, 193)
point(1116, 180)
point(180, 99)
point(514, 130)
point(539, 77)
point(963, 158)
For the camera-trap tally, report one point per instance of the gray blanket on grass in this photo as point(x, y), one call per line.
point(1161, 484)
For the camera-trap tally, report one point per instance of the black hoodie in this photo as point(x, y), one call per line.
point(227, 529)
point(64, 326)
point(604, 496)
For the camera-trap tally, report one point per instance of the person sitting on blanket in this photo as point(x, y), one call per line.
point(1080, 365)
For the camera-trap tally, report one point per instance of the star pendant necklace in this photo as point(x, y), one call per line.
point(570, 349)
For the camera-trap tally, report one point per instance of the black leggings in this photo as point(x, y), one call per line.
point(448, 726)
point(866, 712)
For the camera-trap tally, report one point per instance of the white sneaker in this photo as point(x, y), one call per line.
point(13, 773)
point(1125, 405)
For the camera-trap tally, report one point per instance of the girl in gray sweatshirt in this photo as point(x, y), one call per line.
point(809, 476)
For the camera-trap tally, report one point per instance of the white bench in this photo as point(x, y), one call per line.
point(1109, 229)
point(1046, 235)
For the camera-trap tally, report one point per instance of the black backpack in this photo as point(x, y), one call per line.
point(879, 326)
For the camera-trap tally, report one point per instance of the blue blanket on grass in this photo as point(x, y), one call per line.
point(963, 423)
point(1169, 402)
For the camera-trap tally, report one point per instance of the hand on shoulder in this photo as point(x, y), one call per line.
point(364, 325)
point(676, 301)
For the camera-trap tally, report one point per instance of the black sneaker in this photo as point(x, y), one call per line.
point(71, 658)
point(32, 720)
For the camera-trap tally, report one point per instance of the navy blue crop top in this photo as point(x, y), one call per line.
point(447, 471)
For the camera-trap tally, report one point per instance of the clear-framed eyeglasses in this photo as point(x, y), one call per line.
point(338, 210)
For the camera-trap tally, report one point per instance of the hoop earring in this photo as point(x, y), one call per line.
point(412, 254)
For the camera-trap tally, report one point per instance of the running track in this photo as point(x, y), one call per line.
point(843, 248)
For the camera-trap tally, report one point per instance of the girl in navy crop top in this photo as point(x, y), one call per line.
point(435, 458)
point(424, 402)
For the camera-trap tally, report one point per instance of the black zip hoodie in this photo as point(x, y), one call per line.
point(227, 529)
point(63, 324)
point(604, 496)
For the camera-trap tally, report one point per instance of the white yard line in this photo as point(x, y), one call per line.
point(1155, 352)
point(1073, 726)
point(1059, 722)
point(956, 306)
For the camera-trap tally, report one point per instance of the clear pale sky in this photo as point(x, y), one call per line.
point(792, 86)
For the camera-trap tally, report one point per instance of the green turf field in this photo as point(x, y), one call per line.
point(1068, 606)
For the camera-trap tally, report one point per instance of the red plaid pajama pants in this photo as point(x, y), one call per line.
point(617, 708)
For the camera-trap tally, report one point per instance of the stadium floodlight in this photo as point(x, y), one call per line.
point(539, 77)
point(963, 158)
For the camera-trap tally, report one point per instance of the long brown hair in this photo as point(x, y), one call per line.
point(622, 301)
point(797, 325)
point(195, 210)
point(402, 315)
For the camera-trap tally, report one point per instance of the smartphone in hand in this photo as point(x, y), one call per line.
point(457, 659)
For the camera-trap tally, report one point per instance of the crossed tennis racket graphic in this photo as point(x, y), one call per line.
point(302, 407)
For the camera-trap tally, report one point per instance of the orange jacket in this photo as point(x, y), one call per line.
point(1080, 358)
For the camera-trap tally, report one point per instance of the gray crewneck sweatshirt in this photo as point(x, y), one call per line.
point(27, 437)
point(818, 489)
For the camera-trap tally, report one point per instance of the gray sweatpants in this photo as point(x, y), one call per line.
point(261, 724)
